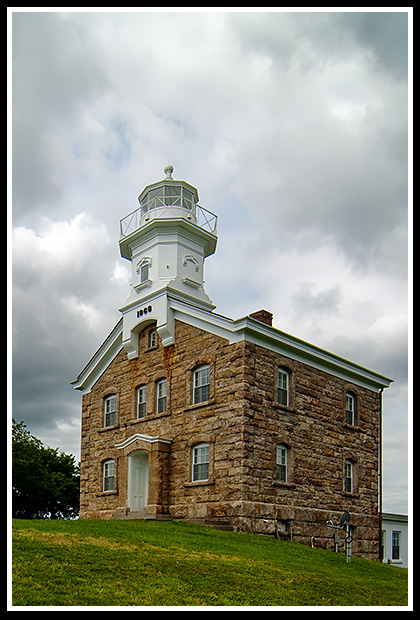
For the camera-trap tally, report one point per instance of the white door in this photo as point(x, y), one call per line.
point(138, 480)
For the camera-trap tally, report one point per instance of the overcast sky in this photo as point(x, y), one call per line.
point(293, 127)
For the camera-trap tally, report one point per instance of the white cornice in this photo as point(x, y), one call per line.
point(274, 339)
point(247, 329)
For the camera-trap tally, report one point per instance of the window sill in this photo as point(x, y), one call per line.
point(199, 483)
point(277, 405)
point(108, 428)
point(205, 403)
point(151, 416)
point(144, 284)
point(106, 493)
point(352, 427)
point(354, 494)
point(155, 346)
point(284, 485)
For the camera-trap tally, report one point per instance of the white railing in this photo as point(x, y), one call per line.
point(156, 209)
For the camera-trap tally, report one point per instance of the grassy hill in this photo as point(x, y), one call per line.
point(147, 563)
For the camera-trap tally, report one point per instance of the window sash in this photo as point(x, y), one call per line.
point(281, 464)
point(395, 545)
point(201, 461)
point(109, 476)
point(348, 477)
point(141, 401)
point(283, 388)
point(144, 272)
point(202, 384)
point(161, 396)
point(350, 409)
point(110, 410)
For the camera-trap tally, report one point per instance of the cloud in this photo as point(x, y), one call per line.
point(55, 74)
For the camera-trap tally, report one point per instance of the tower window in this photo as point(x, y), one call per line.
point(143, 269)
point(144, 272)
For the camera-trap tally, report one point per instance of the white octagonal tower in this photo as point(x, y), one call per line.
point(166, 239)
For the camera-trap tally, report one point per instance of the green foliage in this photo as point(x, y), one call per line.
point(149, 563)
point(45, 482)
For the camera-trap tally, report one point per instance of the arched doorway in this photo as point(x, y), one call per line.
point(138, 480)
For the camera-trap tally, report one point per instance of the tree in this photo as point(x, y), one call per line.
point(45, 482)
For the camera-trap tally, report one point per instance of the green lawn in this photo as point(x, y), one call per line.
point(148, 563)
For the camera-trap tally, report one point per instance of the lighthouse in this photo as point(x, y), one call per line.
point(166, 239)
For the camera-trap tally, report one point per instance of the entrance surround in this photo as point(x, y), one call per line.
point(157, 448)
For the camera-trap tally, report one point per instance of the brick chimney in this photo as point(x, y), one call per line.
point(263, 316)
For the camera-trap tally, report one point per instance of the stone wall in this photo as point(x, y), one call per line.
point(218, 421)
point(242, 423)
point(313, 427)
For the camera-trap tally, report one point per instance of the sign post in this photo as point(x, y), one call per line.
point(343, 525)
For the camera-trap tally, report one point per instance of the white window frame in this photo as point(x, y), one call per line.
point(161, 396)
point(396, 544)
point(143, 270)
point(283, 387)
point(141, 402)
point(200, 462)
point(152, 338)
point(108, 479)
point(282, 453)
point(349, 476)
point(350, 408)
point(110, 410)
point(201, 385)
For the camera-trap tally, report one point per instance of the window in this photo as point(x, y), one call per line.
point(143, 268)
point(161, 396)
point(200, 462)
point(348, 476)
point(109, 475)
point(350, 408)
point(395, 545)
point(110, 410)
point(281, 463)
point(144, 273)
point(201, 384)
point(152, 338)
point(283, 387)
point(141, 401)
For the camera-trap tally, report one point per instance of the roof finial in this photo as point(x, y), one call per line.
point(168, 170)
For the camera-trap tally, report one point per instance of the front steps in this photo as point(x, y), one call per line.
point(138, 515)
point(141, 515)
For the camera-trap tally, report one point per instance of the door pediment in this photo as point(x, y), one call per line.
point(138, 441)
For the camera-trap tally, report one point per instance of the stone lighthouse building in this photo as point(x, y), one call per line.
point(187, 414)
